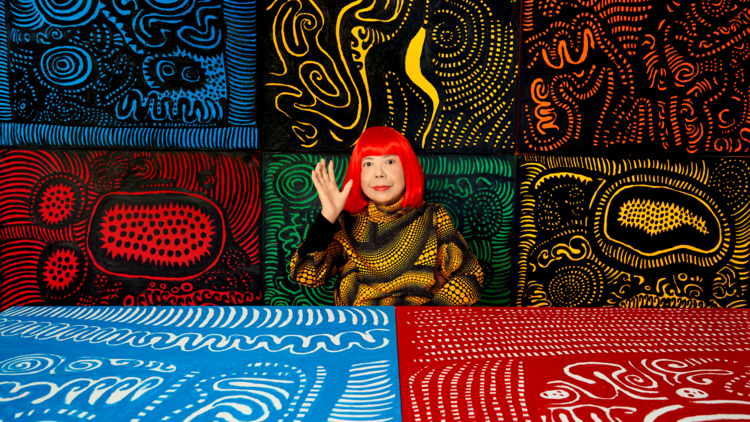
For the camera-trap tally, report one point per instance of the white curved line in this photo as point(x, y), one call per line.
point(149, 320)
point(367, 385)
point(137, 314)
point(378, 362)
point(365, 368)
point(208, 317)
point(94, 314)
point(354, 316)
point(348, 391)
point(362, 381)
point(268, 317)
point(169, 315)
point(221, 315)
point(109, 319)
point(187, 317)
point(176, 317)
point(374, 316)
point(342, 316)
point(361, 405)
point(242, 318)
point(198, 313)
point(364, 317)
point(369, 373)
point(300, 316)
point(309, 317)
point(331, 317)
point(651, 417)
point(385, 317)
point(320, 317)
point(127, 311)
point(256, 314)
point(289, 318)
point(276, 320)
point(153, 311)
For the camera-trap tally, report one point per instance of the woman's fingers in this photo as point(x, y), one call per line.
point(331, 174)
point(347, 189)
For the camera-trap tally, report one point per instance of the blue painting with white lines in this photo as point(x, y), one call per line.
point(140, 73)
point(198, 364)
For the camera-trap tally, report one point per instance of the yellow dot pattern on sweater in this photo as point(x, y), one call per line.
point(397, 256)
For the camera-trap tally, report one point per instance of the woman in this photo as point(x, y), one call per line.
point(386, 244)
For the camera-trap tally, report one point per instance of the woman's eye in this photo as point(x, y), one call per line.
point(389, 161)
point(366, 164)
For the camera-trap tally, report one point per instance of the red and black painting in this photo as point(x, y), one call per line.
point(129, 228)
point(646, 77)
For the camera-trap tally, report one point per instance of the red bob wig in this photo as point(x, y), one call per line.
point(381, 140)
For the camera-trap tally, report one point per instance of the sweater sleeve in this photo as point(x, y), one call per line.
point(317, 258)
point(457, 269)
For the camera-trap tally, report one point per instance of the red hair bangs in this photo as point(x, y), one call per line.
point(382, 140)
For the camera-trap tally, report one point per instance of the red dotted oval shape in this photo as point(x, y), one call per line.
point(157, 235)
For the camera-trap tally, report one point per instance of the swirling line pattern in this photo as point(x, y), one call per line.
point(82, 63)
point(28, 364)
point(579, 245)
point(639, 76)
point(477, 191)
point(330, 73)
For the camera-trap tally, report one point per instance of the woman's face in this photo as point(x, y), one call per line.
point(382, 179)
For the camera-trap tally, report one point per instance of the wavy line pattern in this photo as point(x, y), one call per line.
point(369, 394)
point(188, 342)
point(220, 317)
point(224, 138)
point(240, 59)
point(5, 107)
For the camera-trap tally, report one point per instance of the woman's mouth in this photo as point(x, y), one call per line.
point(381, 188)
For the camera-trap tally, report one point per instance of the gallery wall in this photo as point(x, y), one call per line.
point(158, 153)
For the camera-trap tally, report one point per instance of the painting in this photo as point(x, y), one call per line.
point(639, 77)
point(129, 228)
point(573, 364)
point(128, 73)
point(443, 73)
point(477, 192)
point(198, 363)
point(633, 232)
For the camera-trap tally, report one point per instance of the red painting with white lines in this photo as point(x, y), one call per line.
point(512, 364)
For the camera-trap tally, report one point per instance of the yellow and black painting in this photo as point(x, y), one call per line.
point(635, 76)
point(442, 72)
point(633, 232)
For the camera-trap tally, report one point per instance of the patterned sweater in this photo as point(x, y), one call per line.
point(390, 256)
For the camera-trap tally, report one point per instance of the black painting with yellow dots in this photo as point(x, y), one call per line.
point(646, 77)
point(633, 232)
point(442, 72)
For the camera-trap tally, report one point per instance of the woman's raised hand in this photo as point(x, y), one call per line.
point(332, 199)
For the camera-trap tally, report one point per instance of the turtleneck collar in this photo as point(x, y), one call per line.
point(382, 214)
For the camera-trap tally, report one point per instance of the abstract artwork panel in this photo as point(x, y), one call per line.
point(633, 233)
point(477, 191)
point(114, 73)
point(198, 364)
point(440, 72)
point(643, 77)
point(588, 365)
point(129, 228)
